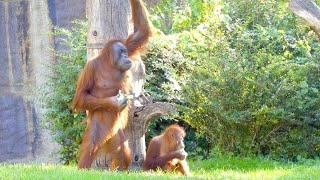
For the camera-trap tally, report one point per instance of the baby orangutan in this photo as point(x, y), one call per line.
point(167, 151)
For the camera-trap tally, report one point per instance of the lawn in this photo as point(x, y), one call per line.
point(214, 168)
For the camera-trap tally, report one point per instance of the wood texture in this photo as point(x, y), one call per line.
point(309, 11)
point(107, 19)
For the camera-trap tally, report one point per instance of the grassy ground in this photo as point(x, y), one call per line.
point(215, 168)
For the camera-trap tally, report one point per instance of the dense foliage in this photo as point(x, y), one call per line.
point(254, 88)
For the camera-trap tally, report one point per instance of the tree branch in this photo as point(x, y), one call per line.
point(153, 110)
point(309, 11)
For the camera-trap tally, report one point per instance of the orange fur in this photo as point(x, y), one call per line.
point(96, 92)
point(165, 151)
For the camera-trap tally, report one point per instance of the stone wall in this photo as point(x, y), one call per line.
point(63, 12)
point(25, 53)
point(19, 133)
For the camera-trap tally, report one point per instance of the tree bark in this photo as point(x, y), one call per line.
point(107, 19)
point(309, 11)
point(139, 119)
point(112, 19)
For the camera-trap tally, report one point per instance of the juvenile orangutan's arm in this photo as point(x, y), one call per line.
point(154, 159)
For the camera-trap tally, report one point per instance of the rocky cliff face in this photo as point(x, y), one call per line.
point(19, 133)
point(25, 52)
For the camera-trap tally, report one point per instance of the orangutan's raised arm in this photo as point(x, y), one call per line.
point(142, 31)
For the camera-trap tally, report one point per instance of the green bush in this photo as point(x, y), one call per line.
point(165, 64)
point(255, 88)
point(173, 16)
point(60, 88)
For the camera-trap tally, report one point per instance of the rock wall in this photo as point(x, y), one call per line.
point(25, 53)
point(64, 12)
point(19, 133)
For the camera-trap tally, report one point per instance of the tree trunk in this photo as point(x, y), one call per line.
point(309, 11)
point(139, 119)
point(107, 19)
point(110, 19)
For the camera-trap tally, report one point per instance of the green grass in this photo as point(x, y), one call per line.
point(214, 168)
point(255, 168)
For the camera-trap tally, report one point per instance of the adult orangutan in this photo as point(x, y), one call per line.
point(166, 151)
point(97, 90)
